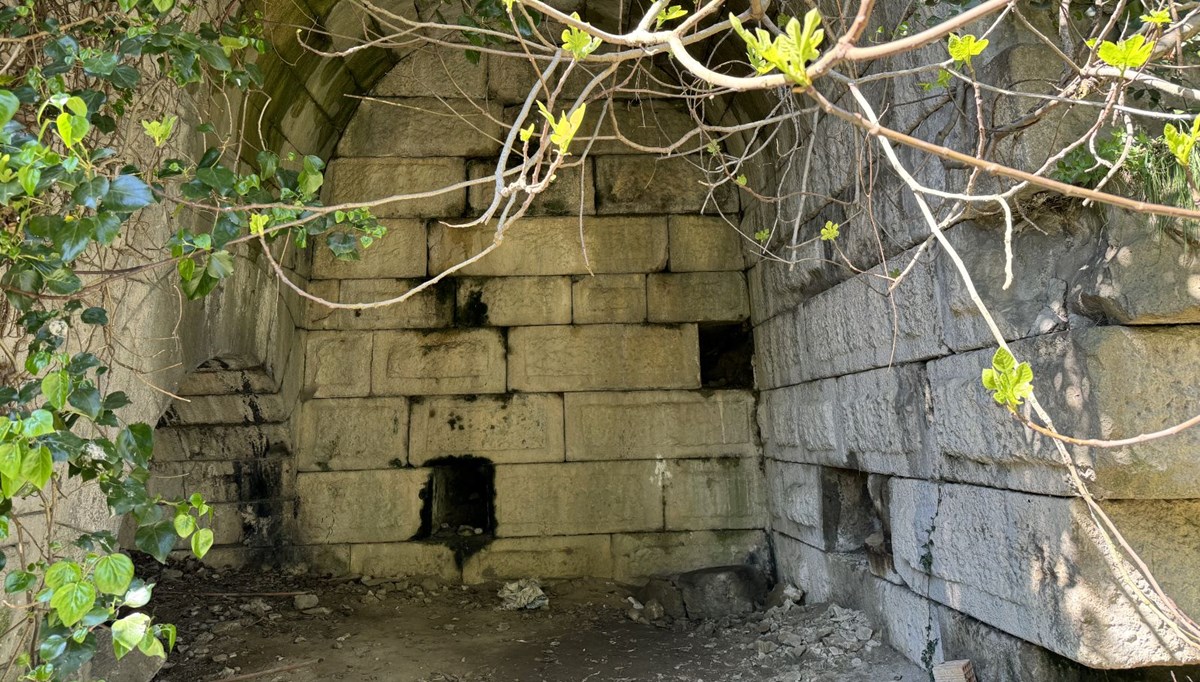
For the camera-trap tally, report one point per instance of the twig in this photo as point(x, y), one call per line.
point(281, 669)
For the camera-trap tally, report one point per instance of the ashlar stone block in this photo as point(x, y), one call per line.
point(401, 253)
point(701, 244)
point(362, 180)
point(514, 301)
point(1036, 567)
point(640, 555)
point(435, 71)
point(561, 557)
point(717, 493)
point(439, 362)
point(609, 298)
point(659, 424)
point(422, 127)
point(503, 429)
point(359, 506)
point(352, 434)
point(603, 357)
point(337, 365)
point(637, 183)
point(697, 297)
point(552, 246)
point(578, 498)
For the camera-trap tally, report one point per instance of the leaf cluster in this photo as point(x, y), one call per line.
point(789, 53)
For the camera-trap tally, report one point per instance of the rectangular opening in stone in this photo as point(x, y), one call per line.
point(459, 500)
point(726, 355)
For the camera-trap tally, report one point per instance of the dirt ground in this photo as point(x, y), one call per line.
point(246, 625)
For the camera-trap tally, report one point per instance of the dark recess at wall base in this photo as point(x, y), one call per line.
point(459, 505)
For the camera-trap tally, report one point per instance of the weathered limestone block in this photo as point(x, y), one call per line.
point(603, 357)
point(1036, 567)
point(1144, 276)
point(857, 325)
point(359, 506)
point(514, 301)
point(883, 418)
point(575, 556)
point(337, 365)
point(779, 287)
point(640, 555)
point(435, 71)
point(824, 507)
point(220, 381)
point(229, 409)
point(1044, 261)
point(503, 429)
point(422, 127)
point(1102, 382)
point(578, 498)
point(609, 298)
point(510, 80)
point(352, 433)
point(439, 362)
point(551, 246)
point(803, 423)
point(697, 297)
point(650, 125)
point(700, 244)
point(224, 480)
point(401, 253)
point(404, 559)
point(428, 308)
point(213, 443)
point(566, 195)
point(642, 184)
point(719, 493)
point(780, 350)
point(659, 424)
point(351, 180)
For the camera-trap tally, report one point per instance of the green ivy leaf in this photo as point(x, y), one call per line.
point(127, 193)
point(157, 539)
point(56, 388)
point(38, 423)
point(62, 572)
point(202, 541)
point(185, 525)
point(113, 574)
point(19, 581)
point(37, 466)
point(8, 106)
point(73, 601)
point(128, 632)
point(94, 315)
point(10, 460)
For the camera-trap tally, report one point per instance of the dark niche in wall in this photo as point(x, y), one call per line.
point(726, 355)
point(459, 505)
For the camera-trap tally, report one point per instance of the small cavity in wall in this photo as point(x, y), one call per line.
point(459, 505)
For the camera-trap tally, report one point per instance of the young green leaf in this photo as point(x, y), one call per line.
point(1158, 17)
point(1131, 53)
point(564, 129)
point(128, 632)
point(160, 130)
point(667, 14)
point(578, 42)
point(830, 232)
point(963, 48)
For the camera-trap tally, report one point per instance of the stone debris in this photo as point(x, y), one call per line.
point(524, 594)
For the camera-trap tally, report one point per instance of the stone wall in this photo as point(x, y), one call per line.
point(896, 484)
point(587, 406)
